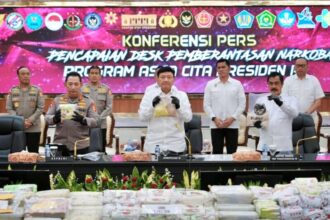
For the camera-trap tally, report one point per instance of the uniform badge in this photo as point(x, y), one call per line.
point(16, 104)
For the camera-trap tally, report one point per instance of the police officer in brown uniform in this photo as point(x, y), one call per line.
point(101, 95)
point(27, 101)
point(68, 131)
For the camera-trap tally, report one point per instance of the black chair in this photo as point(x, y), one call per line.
point(96, 140)
point(303, 127)
point(12, 136)
point(193, 130)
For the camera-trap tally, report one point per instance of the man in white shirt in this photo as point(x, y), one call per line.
point(281, 109)
point(305, 87)
point(165, 110)
point(224, 102)
point(155, 86)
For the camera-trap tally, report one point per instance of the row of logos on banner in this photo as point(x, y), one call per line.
point(93, 21)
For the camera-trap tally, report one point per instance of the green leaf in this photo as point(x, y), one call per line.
point(186, 179)
point(9, 167)
point(135, 172)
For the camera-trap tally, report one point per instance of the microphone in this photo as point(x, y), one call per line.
point(189, 156)
point(75, 146)
point(303, 139)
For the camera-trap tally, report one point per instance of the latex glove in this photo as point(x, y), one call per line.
point(57, 117)
point(276, 99)
point(79, 118)
point(257, 124)
point(176, 102)
point(155, 101)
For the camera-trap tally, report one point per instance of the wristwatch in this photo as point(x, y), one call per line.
point(213, 118)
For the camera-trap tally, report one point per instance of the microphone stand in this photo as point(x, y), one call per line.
point(75, 147)
point(299, 141)
point(189, 156)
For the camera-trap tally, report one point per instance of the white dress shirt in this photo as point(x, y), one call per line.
point(155, 88)
point(279, 129)
point(305, 90)
point(166, 131)
point(224, 100)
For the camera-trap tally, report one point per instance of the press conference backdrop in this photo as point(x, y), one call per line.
point(128, 43)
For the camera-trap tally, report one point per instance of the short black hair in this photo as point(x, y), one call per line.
point(164, 69)
point(223, 61)
point(274, 74)
point(72, 74)
point(303, 58)
point(93, 67)
point(19, 68)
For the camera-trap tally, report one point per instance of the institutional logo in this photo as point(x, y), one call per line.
point(204, 19)
point(244, 19)
point(186, 19)
point(33, 21)
point(324, 18)
point(168, 20)
point(54, 21)
point(14, 21)
point(305, 19)
point(93, 21)
point(286, 18)
point(111, 18)
point(266, 20)
point(139, 21)
point(73, 22)
point(2, 18)
point(223, 19)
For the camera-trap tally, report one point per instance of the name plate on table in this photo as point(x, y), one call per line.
point(286, 157)
point(173, 158)
point(59, 159)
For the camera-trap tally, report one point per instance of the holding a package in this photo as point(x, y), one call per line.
point(165, 108)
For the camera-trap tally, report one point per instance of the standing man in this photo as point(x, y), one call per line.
point(165, 111)
point(102, 96)
point(26, 100)
point(84, 116)
point(281, 109)
point(224, 102)
point(305, 87)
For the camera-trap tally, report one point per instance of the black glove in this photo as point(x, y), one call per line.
point(155, 101)
point(176, 102)
point(276, 99)
point(257, 124)
point(57, 117)
point(79, 118)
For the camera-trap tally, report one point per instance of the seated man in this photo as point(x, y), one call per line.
point(165, 110)
point(72, 121)
point(281, 110)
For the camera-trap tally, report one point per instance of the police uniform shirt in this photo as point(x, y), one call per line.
point(27, 103)
point(68, 131)
point(102, 96)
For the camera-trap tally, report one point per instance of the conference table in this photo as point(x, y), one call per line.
point(175, 165)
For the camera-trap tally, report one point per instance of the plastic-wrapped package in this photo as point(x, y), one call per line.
point(326, 211)
point(281, 191)
point(314, 214)
point(17, 214)
point(234, 207)
point(20, 187)
point(289, 201)
point(237, 215)
point(156, 196)
point(86, 199)
point(292, 213)
point(267, 209)
point(84, 213)
point(261, 192)
point(46, 207)
point(236, 194)
point(61, 193)
point(309, 201)
point(325, 196)
point(41, 218)
point(194, 197)
point(120, 196)
point(124, 213)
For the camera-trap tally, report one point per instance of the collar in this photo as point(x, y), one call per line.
point(306, 77)
point(230, 80)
